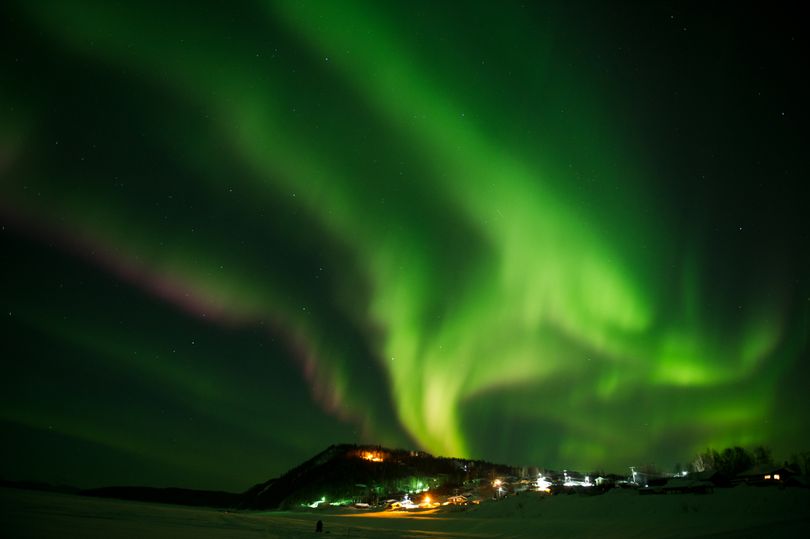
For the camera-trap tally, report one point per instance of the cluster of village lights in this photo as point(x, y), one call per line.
point(569, 481)
point(542, 485)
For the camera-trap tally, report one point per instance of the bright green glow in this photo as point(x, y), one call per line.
point(549, 267)
point(552, 267)
point(501, 284)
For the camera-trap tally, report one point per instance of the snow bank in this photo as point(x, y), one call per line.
point(738, 512)
point(624, 513)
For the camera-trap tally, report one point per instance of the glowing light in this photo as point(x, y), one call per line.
point(543, 485)
point(776, 476)
point(372, 456)
point(316, 503)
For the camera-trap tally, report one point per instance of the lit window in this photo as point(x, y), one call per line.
point(776, 476)
point(768, 476)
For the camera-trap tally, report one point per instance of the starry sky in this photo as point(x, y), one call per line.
point(565, 234)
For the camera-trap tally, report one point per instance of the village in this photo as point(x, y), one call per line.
point(426, 491)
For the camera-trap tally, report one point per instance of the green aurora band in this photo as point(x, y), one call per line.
point(460, 235)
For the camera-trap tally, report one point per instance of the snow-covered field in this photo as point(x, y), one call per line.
point(738, 512)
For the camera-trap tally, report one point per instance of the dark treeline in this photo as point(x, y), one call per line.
point(734, 460)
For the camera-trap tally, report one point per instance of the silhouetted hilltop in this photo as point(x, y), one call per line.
point(178, 496)
point(341, 474)
point(39, 485)
point(350, 473)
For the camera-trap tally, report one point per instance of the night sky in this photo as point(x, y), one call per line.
point(556, 234)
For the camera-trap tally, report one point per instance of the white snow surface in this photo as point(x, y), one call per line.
point(737, 512)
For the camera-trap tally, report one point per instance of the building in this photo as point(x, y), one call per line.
point(766, 475)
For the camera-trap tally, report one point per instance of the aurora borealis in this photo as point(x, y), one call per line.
point(553, 234)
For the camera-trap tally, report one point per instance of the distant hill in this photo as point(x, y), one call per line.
point(340, 474)
point(349, 473)
point(38, 485)
point(177, 496)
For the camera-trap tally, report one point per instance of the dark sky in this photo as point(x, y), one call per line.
point(559, 234)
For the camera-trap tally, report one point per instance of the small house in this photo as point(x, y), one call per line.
point(766, 475)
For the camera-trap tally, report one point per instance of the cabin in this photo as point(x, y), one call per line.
point(766, 475)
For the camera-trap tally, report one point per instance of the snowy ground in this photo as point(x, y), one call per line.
point(739, 512)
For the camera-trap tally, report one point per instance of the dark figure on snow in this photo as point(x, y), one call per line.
point(319, 526)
